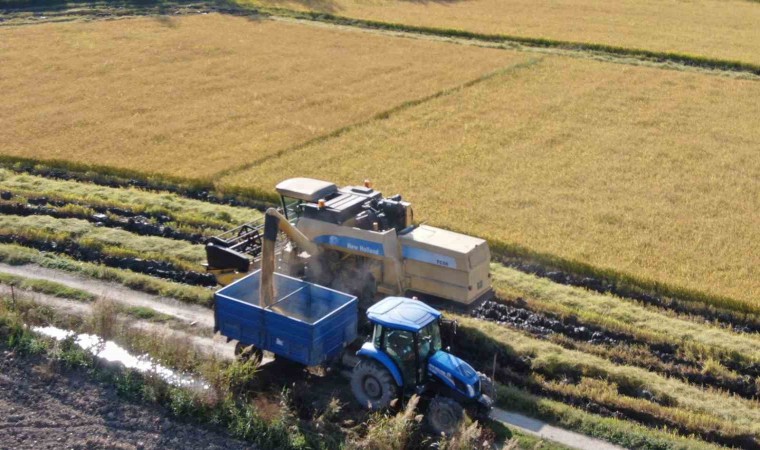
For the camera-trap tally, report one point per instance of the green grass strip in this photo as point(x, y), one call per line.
point(46, 287)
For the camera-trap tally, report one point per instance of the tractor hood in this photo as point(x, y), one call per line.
point(455, 372)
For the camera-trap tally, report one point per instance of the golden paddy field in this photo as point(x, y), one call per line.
point(725, 29)
point(639, 170)
point(194, 96)
point(643, 171)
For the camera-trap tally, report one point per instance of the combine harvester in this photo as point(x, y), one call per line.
point(310, 324)
point(354, 240)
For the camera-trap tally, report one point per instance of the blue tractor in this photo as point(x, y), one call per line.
point(405, 357)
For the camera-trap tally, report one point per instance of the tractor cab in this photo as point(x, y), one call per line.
point(405, 357)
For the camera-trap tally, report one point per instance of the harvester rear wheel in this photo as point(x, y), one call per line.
point(372, 385)
point(248, 352)
point(444, 415)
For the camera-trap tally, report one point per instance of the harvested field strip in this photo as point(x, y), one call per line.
point(700, 311)
point(140, 225)
point(46, 287)
point(155, 117)
point(18, 255)
point(636, 174)
point(109, 241)
point(621, 348)
point(639, 395)
point(163, 206)
point(621, 315)
point(722, 32)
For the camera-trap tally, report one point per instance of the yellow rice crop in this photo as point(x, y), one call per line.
point(193, 96)
point(639, 170)
point(726, 29)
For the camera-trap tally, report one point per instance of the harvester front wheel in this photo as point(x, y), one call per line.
point(372, 385)
point(445, 415)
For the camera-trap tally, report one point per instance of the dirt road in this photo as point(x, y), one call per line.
point(117, 292)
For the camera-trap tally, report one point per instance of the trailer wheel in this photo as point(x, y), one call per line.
point(248, 352)
point(372, 385)
point(444, 415)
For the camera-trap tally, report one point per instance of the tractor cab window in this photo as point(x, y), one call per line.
point(291, 208)
point(400, 346)
point(430, 339)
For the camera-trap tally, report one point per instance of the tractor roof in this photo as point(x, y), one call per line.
point(306, 189)
point(402, 313)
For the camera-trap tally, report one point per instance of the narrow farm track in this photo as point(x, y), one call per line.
point(191, 314)
point(543, 430)
point(620, 55)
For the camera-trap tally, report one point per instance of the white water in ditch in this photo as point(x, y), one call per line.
point(113, 352)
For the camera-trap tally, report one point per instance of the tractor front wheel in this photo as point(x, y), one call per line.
point(444, 415)
point(372, 385)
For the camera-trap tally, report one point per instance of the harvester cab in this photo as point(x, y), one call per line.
point(405, 357)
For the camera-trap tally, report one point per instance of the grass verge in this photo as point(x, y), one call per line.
point(46, 287)
point(18, 255)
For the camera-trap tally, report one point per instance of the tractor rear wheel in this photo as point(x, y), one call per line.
point(444, 415)
point(248, 352)
point(372, 385)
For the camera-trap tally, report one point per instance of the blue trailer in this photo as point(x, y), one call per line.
point(307, 323)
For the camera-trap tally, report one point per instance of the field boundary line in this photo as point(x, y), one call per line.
point(602, 52)
point(683, 59)
point(382, 115)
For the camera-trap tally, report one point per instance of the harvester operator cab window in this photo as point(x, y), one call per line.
point(291, 208)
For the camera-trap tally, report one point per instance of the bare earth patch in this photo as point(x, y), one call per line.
point(40, 409)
